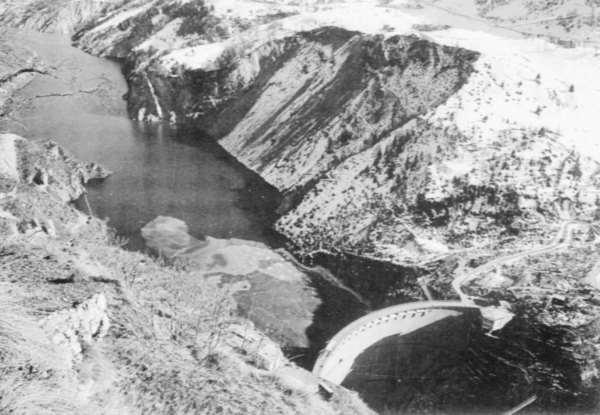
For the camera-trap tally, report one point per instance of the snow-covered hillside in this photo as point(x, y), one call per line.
point(364, 168)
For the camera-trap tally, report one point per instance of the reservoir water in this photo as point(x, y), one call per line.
point(157, 170)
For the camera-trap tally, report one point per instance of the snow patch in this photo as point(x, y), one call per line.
point(432, 245)
point(8, 157)
point(165, 39)
point(120, 17)
point(202, 57)
point(247, 9)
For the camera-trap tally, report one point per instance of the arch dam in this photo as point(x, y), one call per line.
point(336, 360)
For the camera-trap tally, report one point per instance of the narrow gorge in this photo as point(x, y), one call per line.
point(311, 162)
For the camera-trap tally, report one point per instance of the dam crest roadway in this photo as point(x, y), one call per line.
point(337, 358)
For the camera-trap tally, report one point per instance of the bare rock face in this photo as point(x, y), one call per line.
point(36, 181)
point(47, 165)
point(78, 328)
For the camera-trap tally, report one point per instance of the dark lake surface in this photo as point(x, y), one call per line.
point(162, 171)
point(158, 170)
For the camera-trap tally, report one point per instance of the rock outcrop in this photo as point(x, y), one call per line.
point(47, 165)
point(35, 180)
point(76, 329)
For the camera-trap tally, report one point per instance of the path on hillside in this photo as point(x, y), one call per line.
point(336, 360)
point(561, 240)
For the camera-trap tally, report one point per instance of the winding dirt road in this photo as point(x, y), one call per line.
point(561, 240)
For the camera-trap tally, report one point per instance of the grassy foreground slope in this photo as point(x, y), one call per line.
point(86, 327)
